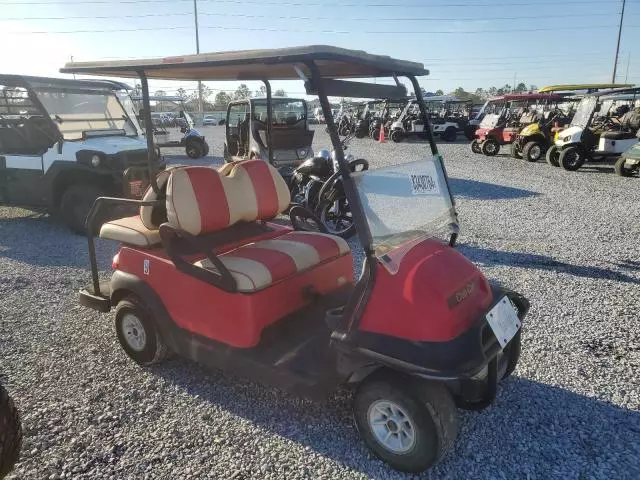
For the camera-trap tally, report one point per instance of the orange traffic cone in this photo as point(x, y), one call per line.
point(381, 136)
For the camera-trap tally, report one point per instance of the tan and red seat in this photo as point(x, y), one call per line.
point(201, 200)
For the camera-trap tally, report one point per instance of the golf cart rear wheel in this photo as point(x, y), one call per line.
point(571, 158)
point(516, 151)
point(532, 151)
point(622, 169)
point(490, 147)
point(449, 135)
point(195, 149)
point(475, 146)
point(137, 333)
point(10, 433)
point(75, 205)
point(408, 423)
point(553, 155)
point(375, 134)
point(397, 136)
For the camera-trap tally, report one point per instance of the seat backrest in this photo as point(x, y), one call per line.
point(202, 200)
point(154, 216)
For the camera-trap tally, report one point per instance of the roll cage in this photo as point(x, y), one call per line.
point(325, 71)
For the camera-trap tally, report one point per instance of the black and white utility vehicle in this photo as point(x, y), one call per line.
point(173, 126)
point(64, 143)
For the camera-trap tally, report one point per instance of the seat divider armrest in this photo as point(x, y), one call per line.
point(170, 236)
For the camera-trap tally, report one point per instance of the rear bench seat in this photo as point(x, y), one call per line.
point(252, 190)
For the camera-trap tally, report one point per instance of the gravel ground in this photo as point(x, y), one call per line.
point(571, 411)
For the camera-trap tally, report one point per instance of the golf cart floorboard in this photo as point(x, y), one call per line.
point(293, 354)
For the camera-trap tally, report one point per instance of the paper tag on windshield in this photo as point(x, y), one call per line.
point(425, 184)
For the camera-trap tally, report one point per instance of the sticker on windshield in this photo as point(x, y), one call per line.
point(424, 184)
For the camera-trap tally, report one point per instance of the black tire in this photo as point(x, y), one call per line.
point(206, 149)
point(375, 134)
point(428, 407)
point(553, 156)
point(397, 136)
point(449, 135)
point(10, 433)
point(475, 146)
point(512, 351)
point(571, 158)
point(516, 151)
point(195, 149)
point(490, 147)
point(75, 205)
point(621, 169)
point(470, 132)
point(533, 151)
point(327, 218)
point(151, 348)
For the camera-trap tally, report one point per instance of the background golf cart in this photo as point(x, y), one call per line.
point(246, 131)
point(409, 365)
point(449, 115)
point(63, 143)
point(603, 127)
point(173, 126)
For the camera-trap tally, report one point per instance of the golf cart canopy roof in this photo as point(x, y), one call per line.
point(586, 86)
point(617, 91)
point(274, 64)
point(520, 97)
point(26, 81)
point(160, 98)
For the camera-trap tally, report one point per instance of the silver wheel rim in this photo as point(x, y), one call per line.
point(391, 426)
point(535, 152)
point(491, 148)
point(133, 332)
point(334, 219)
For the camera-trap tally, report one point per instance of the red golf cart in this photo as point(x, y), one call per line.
point(204, 272)
point(505, 116)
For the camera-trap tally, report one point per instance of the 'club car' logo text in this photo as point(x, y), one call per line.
point(462, 294)
point(422, 184)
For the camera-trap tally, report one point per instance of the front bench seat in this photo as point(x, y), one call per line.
point(200, 200)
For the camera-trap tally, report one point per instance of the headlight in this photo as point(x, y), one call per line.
point(302, 153)
point(95, 160)
point(567, 139)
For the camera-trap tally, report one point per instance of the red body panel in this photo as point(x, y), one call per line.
point(236, 319)
point(502, 135)
point(435, 295)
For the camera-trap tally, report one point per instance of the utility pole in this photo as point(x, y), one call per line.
point(513, 89)
point(195, 14)
point(626, 75)
point(615, 62)
point(74, 75)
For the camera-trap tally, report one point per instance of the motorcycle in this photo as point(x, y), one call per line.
point(316, 185)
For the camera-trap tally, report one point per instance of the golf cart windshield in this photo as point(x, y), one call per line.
point(406, 202)
point(82, 112)
point(490, 120)
point(583, 112)
point(285, 111)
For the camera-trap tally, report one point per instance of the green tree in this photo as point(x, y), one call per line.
point(181, 92)
point(261, 92)
point(221, 101)
point(242, 92)
point(439, 92)
point(280, 93)
point(521, 87)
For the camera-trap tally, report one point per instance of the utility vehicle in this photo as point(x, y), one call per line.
point(64, 142)
point(247, 130)
point(603, 126)
point(203, 271)
point(384, 118)
point(177, 130)
point(505, 116)
point(446, 120)
point(370, 111)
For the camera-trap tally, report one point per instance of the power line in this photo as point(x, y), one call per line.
point(304, 4)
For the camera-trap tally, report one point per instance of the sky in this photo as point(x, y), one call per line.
point(464, 43)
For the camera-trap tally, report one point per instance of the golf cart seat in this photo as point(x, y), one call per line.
point(200, 200)
point(618, 135)
point(141, 230)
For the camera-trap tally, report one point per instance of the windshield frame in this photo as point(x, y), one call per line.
point(584, 112)
point(262, 102)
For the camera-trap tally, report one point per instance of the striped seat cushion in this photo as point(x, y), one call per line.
point(202, 200)
point(258, 265)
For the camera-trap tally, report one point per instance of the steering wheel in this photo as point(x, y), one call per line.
point(305, 220)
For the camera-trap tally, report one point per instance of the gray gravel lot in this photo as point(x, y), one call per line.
point(568, 241)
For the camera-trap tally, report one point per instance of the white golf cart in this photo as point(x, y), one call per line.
point(173, 126)
point(64, 143)
point(441, 123)
point(601, 128)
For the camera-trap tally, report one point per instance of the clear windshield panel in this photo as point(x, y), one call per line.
point(76, 113)
point(490, 120)
point(583, 112)
point(284, 111)
point(406, 202)
point(130, 108)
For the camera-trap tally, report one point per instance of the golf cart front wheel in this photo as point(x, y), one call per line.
point(475, 146)
point(449, 135)
point(490, 147)
point(516, 151)
point(622, 169)
point(532, 151)
point(397, 136)
point(137, 333)
point(571, 158)
point(75, 205)
point(408, 423)
point(195, 149)
point(553, 155)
